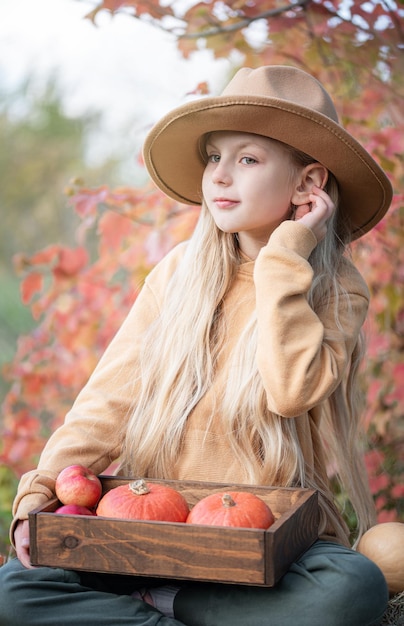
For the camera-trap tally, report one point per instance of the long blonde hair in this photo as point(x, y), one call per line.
point(177, 367)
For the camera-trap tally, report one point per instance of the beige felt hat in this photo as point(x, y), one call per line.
point(280, 102)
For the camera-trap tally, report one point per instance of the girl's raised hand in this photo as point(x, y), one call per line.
point(316, 214)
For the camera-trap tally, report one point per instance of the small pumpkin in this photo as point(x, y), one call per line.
point(142, 500)
point(384, 545)
point(234, 508)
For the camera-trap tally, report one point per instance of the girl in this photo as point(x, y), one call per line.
point(237, 363)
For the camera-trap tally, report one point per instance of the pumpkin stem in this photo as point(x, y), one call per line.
point(227, 501)
point(139, 487)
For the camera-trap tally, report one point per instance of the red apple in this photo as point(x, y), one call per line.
point(73, 509)
point(78, 485)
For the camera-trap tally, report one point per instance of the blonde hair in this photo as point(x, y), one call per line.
point(177, 367)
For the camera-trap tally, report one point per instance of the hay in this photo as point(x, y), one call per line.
point(394, 615)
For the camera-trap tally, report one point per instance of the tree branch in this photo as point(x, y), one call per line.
point(243, 23)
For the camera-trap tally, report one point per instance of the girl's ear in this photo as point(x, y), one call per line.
point(312, 175)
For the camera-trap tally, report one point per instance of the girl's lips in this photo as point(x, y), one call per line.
point(225, 203)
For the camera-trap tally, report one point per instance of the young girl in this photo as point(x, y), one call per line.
point(237, 363)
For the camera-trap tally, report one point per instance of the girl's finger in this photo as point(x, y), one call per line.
point(301, 211)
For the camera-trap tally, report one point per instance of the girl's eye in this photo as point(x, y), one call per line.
point(213, 158)
point(248, 160)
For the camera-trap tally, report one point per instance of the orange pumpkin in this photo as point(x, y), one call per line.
point(144, 501)
point(235, 508)
point(384, 545)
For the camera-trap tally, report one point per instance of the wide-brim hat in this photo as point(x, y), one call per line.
point(280, 102)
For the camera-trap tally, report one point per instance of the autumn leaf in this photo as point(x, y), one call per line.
point(86, 201)
point(70, 262)
point(31, 285)
point(202, 89)
point(113, 229)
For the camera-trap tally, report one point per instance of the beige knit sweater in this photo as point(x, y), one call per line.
point(302, 357)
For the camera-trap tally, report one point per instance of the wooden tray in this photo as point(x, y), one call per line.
point(175, 550)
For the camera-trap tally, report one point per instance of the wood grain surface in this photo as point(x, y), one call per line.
point(175, 550)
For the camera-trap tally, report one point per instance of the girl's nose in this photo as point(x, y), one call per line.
point(221, 174)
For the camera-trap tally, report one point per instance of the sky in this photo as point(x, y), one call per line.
point(128, 70)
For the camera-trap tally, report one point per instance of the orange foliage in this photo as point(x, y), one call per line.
point(79, 304)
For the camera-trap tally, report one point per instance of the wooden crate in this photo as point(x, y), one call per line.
point(175, 550)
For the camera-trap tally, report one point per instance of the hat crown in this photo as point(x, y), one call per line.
point(285, 83)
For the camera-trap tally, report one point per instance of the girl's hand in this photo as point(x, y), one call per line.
point(316, 214)
point(21, 540)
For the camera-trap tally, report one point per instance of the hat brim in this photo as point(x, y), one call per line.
point(175, 160)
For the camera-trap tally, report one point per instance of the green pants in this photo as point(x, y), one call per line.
point(329, 585)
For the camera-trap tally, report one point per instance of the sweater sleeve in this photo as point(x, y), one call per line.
point(302, 354)
point(94, 428)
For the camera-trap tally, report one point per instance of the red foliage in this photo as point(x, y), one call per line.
point(79, 304)
point(31, 285)
point(380, 255)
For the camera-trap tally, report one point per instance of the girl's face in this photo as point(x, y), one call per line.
point(247, 186)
